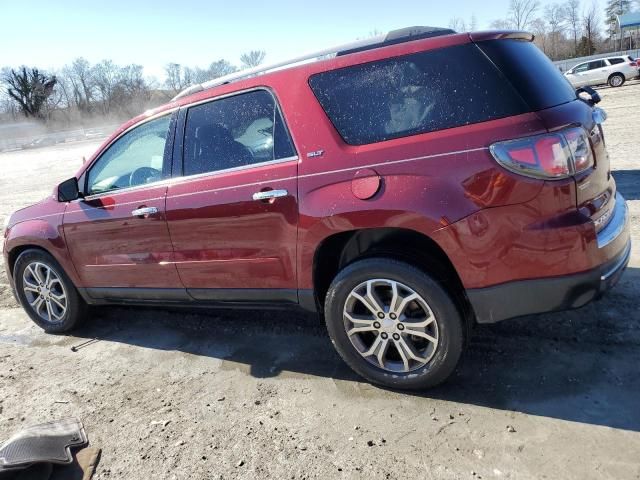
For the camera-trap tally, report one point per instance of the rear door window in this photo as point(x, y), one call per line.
point(596, 64)
point(414, 94)
point(236, 131)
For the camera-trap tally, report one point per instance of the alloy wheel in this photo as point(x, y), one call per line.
point(44, 292)
point(391, 325)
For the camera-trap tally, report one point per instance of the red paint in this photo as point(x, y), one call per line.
point(365, 183)
point(494, 225)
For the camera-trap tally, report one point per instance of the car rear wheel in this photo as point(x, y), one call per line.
point(616, 80)
point(46, 292)
point(394, 324)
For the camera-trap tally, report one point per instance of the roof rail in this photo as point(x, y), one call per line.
point(394, 37)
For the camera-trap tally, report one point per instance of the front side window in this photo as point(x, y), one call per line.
point(414, 94)
point(581, 68)
point(245, 129)
point(134, 159)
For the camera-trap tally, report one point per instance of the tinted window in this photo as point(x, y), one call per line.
point(615, 61)
point(596, 64)
point(134, 159)
point(581, 68)
point(234, 132)
point(531, 72)
point(414, 94)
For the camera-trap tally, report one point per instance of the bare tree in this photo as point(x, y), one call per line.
point(252, 58)
point(590, 25)
point(457, 24)
point(105, 77)
point(473, 23)
point(539, 28)
point(573, 19)
point(178, 78)
point(555, 16)
point(501, 25)
point(80, 79)
point(221, 67)
point(30, 89)
point(521, 13)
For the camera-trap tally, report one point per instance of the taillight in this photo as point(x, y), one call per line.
point(549, 156)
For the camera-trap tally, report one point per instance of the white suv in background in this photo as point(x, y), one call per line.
point(612, 70)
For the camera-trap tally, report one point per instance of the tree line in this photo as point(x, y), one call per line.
point(570, 29)
point(81, 91)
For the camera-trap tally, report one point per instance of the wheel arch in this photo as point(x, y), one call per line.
point(341, 249)
point(619, 74)
point(39, 235)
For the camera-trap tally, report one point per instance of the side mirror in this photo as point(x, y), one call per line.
point(68, 190)
point(588, 95)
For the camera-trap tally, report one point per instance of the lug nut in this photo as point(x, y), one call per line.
point(400, 326)
point(380, 315)
point(384, 335)
point(376, 325)
point(393, 316)
point(396, 336)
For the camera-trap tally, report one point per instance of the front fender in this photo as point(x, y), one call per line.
point(46, 234)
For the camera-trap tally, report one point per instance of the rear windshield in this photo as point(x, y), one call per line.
point(414, 94)
point(537, 79)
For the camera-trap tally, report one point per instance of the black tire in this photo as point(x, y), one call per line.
point(76, 308)
point(616, 80)
point(450, 323)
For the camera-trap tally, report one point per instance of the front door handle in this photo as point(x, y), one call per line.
point(269, 194)
point(144, 211)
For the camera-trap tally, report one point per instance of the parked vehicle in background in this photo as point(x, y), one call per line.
point(610, 70)
point(401, 201)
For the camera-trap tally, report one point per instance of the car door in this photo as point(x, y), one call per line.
point(597, 72)
point(579, 75)
point(117, 234)
point(233, 215)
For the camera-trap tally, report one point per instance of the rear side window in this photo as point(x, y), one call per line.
point(596, 64)
point(415, 94)
point(537, 79)
point(237, 131)
point(615, 61)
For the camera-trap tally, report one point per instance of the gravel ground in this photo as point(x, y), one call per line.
point(204, 395)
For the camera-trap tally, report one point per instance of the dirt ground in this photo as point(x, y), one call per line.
point(261, 394)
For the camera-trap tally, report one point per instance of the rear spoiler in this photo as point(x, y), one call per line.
point(501, 35)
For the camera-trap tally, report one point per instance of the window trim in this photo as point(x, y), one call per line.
point(179, 143)
point(170, 141)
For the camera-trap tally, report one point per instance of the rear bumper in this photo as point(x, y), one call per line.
point(527, 297)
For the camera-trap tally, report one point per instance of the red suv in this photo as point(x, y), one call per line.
point(405, 188)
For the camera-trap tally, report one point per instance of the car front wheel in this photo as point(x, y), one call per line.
point(394, 324)
point(46, 292)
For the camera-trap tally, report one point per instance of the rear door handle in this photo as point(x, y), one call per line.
point(269, 194)
point(144, 211)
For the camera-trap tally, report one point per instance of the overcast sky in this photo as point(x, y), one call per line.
point(48, 34)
